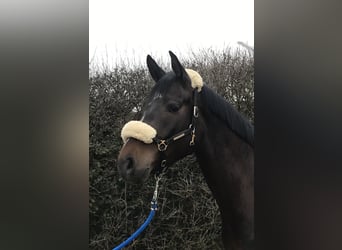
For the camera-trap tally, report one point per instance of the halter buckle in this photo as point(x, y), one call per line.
point(192, 142)
point(195, 111)
point(162, 145)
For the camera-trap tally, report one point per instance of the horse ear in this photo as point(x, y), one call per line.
point(178, 68)
point(155, 71)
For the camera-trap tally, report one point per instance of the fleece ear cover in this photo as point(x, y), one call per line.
point(196, 79)
point(138, 130)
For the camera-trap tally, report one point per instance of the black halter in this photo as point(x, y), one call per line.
point(162, 144)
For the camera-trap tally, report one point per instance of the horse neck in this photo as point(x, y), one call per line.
point(227, 163)
point(224, 158)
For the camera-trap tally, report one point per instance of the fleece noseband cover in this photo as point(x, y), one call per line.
point(138, 130)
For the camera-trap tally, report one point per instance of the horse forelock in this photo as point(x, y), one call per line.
point(166, 81)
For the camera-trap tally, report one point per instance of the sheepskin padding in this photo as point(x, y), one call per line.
point(196, 79)
point(138, 130)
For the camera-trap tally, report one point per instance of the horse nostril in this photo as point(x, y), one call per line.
point(129, 163)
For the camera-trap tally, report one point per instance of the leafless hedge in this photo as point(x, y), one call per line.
point(188, 217)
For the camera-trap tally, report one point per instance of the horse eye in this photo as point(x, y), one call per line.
point(173, 107)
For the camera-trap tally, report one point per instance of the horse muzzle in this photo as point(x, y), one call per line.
point(130, 172)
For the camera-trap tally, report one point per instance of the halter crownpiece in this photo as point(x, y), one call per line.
point(138, 130)
point(196, 79)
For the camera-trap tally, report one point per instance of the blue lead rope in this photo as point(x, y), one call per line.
point(154, 207)
point(136, 233)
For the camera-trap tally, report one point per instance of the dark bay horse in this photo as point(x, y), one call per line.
point(182, 117)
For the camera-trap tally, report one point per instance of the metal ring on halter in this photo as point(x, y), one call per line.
point(162, 145)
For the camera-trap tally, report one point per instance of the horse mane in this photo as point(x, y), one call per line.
point(229, 115)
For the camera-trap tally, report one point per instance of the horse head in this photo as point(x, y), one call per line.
point(166, 132)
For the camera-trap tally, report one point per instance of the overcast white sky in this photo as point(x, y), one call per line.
point(133, 28)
